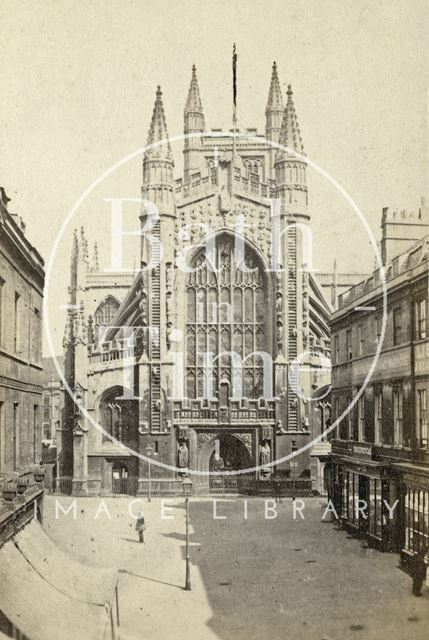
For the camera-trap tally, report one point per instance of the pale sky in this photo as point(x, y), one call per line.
point(79, 80)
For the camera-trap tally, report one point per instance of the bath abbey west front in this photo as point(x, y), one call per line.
point(213, 325)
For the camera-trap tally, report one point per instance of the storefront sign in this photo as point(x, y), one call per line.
point(362, 450)
point(390, 364)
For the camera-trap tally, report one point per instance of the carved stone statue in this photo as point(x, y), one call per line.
point(183, 456)
point(224, 200)
point(169, 334)
point(279, 303)
point(168, 275)
point(265, 454)
point(280, 334)
point(169, 305)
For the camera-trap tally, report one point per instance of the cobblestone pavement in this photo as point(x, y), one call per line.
point(252, 578)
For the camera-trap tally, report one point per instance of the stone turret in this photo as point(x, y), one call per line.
point(193, 124)
point(158, 161)
point(400, 229)
point(290, 169)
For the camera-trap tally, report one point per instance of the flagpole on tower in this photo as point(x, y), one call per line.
point(234, 98)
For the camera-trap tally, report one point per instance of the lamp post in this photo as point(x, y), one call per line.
point(294, 465)
point(187, 492)
point(149, 451)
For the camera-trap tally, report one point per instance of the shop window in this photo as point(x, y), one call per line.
point(416, 519)
point(375, 507)
point(397, 326)
point(422, 424)
point(397, 417)
point(345, 495)
point(421, 319)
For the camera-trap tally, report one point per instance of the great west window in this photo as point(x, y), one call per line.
point(227, 321)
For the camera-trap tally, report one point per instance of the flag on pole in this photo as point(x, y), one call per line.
point(234, 98)
point(234, 76)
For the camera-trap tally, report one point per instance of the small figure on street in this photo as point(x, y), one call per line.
point(418, 569)
point(140, 526)
point(277, 489)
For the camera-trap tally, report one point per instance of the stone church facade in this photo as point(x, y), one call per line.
point(224, 329)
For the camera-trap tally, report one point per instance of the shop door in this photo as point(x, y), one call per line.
point(364, 497)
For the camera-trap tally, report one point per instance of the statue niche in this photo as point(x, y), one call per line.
point(183, 457)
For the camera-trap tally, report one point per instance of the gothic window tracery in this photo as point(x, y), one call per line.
point(227, 311)
point(105, 312)
point(116, 416)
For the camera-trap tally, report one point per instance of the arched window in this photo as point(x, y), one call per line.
point(227, 311)
point(106, 312)
point(118, 417)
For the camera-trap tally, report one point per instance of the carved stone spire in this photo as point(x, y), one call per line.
point(273, 116)
point(158, 130)
point(275, 99)
point(193, 124)
point(193, 103)
point(290, 135)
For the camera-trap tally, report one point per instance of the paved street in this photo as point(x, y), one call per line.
point(251, 579)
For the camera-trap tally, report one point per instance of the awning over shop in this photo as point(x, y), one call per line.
point(76, 580)
point(40, 611)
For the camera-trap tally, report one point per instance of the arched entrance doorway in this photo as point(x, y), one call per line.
point(226, 452)
point(230, 454)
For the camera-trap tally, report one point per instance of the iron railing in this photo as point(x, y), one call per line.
point(203, 486)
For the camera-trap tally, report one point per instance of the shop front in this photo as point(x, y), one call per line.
point(366, 498)
point(415, 499)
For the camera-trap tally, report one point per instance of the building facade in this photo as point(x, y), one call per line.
point(21, 295)
point(21, 475)
point(380, 452)
point(224, 353)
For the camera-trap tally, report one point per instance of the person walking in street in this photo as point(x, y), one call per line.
point(418, 569)
point(277, 489)
point(140, 526)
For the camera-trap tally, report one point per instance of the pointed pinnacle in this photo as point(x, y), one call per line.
point(275, 98)
point(193, 102)
point(290, 135)
point(158, 128)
